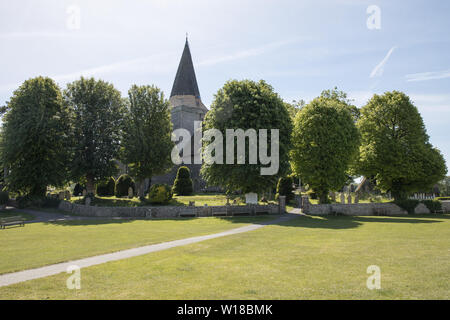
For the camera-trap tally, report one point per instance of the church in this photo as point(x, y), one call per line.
point(186, 108)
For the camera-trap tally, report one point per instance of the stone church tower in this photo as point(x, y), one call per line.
point(186, 107)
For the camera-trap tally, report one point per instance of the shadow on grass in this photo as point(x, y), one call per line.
point(323, 222)
point(348, 222)
point(84, 221)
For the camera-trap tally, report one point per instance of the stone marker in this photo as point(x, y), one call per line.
point(356, 198)
point(84, 192)
point(251, 198)
point(67, 195)
point(61, 195)
point(342, 198)
point(333, 196)
point(349, 199)
point(130, 193)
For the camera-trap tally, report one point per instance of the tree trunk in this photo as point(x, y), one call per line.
point(323, 197)
point(90, 185)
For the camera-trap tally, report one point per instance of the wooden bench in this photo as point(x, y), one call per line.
point(10, 221)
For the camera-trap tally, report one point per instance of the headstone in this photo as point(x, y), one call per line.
point(67, 195)
point(87, 201)
point(333, 196)
point(61, 195)
point(84, 192)
point(349, 199)
point(342, 198)
point(130, 193)
point(251, 198)
point(305, 204)
point(228, 201)
point(356, 198)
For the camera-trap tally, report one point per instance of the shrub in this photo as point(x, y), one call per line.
point(107, 188)
point(182, 185)
point(284, 188)
point(31, 201)
point(78, 190)
point(159, 193)
point(433, 205)
point(407, 204)
point(4, 197)
point(123, 184)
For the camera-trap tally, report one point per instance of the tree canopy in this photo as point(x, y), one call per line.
point(395, 147)
point(147, 144)
point(99, 112)
point(247, 105)
point(325, 142)
point(35, 145)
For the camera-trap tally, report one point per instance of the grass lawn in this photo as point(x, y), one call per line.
point(39, 244)
point(209, 199)
point(305, 258)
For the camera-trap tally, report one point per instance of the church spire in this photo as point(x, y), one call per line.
point(185, 81)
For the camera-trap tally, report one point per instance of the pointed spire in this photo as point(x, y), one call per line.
point(185, 81)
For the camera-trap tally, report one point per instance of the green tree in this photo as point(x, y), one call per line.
point(325, 142)
point(99, 112)
point(395, 147)
point(247, 105)
point(147, 144)
point(284, 188)
point(182, 185)
point(35, 140)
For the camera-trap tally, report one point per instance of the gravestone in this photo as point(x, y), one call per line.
point(356, 198)
point(333, 196)
point(67, 195)
point(342, 198)
point(84, 192)
point(130, 193)
point(61, 195)
point(251, 198)
point(349, 199)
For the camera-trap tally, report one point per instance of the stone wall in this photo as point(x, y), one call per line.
point(167, 211)
point(367, 209)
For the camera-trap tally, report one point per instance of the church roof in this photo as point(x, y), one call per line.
point(185, 81)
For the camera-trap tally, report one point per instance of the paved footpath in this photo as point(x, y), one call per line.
point(16, 277)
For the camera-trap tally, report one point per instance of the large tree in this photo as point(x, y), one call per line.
point(325, 142)
point(147, 144)
point(99, 112)
point(247, 105)
point(35, 140)
point(395, 149)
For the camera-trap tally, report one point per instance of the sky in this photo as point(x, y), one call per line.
point(299, 47)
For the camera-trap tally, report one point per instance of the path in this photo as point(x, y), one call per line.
point(16, 277)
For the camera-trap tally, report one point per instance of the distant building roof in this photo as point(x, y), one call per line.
point(185, 81)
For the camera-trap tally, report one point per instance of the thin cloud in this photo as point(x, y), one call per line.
point(379, 69)
point(248, 52)
point(425, 76)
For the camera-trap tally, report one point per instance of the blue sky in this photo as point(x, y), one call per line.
point(299, 47)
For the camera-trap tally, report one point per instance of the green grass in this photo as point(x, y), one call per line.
point(305, 258)
point(14, 213)
point(40, 244)
point(200, 200)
